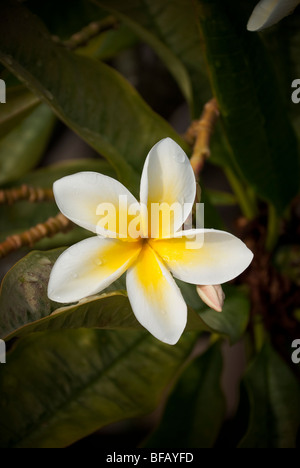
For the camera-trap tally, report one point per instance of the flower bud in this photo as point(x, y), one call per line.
point(212, 295)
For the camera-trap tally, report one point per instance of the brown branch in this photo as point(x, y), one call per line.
point(28, 238)
point(31, 194)
point(199, 135)
point(81, 38)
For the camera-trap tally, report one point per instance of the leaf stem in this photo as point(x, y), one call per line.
point(272, 230)
point(246, 203)
point(81, 38)
point(260, 334)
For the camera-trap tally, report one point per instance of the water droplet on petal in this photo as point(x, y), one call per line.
point(44, 261)
point(179, 157)
point(98, 262)
point(75, 275)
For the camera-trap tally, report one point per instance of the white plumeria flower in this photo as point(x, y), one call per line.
point(92, 265)
point(269, 12)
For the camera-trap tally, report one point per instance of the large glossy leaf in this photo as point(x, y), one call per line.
point(112, 311)
point(77, 16)
point(274, 395)
point(23, 147)
point(283, 44)
point(90, 97)
point(212, 218)
point(254, 118)
point(25, 307)
point(74, 235)
point(19, 103)
point(72, 17)
point(234, 318)
point(59, 387)
point(46, 176)
point(170, 28)
point(110, 43)
point(290, 64)
point(195, 409)
point(221, 198)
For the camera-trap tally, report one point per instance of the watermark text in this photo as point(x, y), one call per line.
point(156, 221)
point(296, 93)
point(2, 352)
point(2, 92)
point(150, 457)
point(296, 353)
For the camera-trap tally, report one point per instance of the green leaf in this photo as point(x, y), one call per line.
point(220, 152)
point(76, 234)
point(220, 198)
point(283, 44)
point(254, 118)
point(196, 407)
point(288, 39)
point(25, 307)
point(109, 43)
point(287, 261)
point(89, 96)
point(110, 311)
point(274, 395)
point(24, 146)
point(28, 309)
point(26, 285)
point(61, 386)
point(170, 28)
point(46, 176)
point(24, 215)
point(212, 218)
point(72, 17)
point(19, 103)
point(234, 318)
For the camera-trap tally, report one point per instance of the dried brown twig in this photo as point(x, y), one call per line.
point(199, 135)
point(31, 194)
point(89, 32)
point(28, 238)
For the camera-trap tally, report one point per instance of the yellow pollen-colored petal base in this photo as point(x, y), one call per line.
point(155, 298)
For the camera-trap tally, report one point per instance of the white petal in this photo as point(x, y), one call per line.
point(168, 178)
point(269, 12)
point(79, 197)
point(155, 298)
point(89, 267)
point(213, 257)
